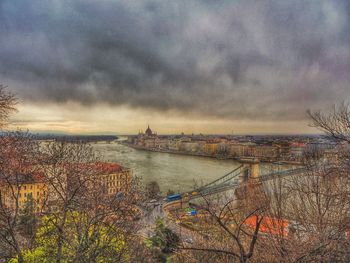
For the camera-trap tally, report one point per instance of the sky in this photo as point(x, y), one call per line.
point(210, 66)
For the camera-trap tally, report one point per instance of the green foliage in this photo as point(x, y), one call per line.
point(163, 243)
point(33, 256)
point(164, 239)
point(81, 242)
point(27, 219)
point(148, 243)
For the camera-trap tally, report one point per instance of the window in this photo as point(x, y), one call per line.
point(25, 187)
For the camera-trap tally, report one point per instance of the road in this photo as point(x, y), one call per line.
point(155, 211)
point(148, 222)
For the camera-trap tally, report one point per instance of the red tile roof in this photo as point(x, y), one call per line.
point(269, 225)
point(107, 168)
point(24, 178)
point(99, 167)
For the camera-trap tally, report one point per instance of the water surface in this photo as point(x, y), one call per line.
point(171, 171)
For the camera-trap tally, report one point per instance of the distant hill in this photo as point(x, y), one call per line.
point(83, 138)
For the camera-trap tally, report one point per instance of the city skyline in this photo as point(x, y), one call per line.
point(223, 67)
point(53, 121)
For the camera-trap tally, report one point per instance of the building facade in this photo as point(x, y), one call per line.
point(27, 189)
point(47, 191)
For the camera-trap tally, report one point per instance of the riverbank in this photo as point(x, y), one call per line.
point(263, 160)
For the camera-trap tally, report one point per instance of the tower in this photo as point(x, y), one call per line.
point(251, 168)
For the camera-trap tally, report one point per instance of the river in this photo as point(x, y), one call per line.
point(172, 171)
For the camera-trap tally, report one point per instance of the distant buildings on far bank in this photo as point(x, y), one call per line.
point(266, 148)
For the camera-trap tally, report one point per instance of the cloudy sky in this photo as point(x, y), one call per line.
point(211, 66)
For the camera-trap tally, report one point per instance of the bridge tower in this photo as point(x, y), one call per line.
point(250, 192)
point(251, 168)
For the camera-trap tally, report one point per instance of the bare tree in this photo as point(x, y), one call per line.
point(309, 212)
point(18, 155)
point(277, 210)
point(152, 190)
point(7, 104)
point(335, 124)
point(231, 227)
point(79, 205)
point(80, 219)
point(321, 209)
point(315, 203)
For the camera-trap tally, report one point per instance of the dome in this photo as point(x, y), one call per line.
point(148, 131)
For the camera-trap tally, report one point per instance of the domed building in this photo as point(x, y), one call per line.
point(148, 132)
point(147, 136)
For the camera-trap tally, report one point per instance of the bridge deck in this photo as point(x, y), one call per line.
point(232, 180)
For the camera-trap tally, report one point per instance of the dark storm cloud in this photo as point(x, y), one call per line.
point(229, 59)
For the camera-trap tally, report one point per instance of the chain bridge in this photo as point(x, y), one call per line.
point(248, 170)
